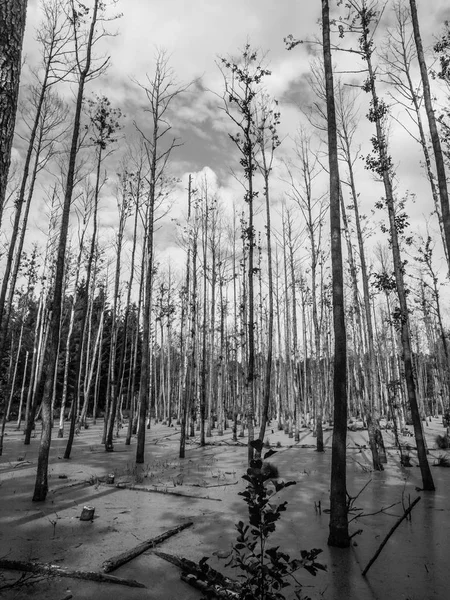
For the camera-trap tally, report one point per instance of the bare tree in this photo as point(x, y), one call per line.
point(124, 204)
point(189, 317)
point(398, 58)
point(435, 140)
point(312, 208)
point(86, 33)
point(51, 128)
point(338, 493)
point(53, 37)
point(161, 92)
point(242, 78)
point(380, 162)
point(268, 118)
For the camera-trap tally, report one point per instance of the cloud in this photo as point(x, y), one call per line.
point(195, 34)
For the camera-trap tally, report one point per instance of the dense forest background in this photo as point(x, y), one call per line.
point(165, 242)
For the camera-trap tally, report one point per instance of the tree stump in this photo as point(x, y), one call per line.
point(87, 514)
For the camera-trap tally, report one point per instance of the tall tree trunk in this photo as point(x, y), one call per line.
point(12, 28)
point(204, 391)
point(384, 169)
point(377, 444)
point(338, 535)
point(267, 389)
point(368, 369)
point(186, 317)
point(161, 92)
point(41, 484)
point(113, 367)
point(251, 372)
point(438, 155)
point(7, 409)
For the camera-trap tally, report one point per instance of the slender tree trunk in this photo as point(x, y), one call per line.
point(212, 329)
point(438, 155)
point(113, 368)
point(186, 316)
point(338, 493)
point(251, 372)
point(369, 374)
point(87, 305)
point(204, 391)
point(267, 389)
point(22, 389)
point(65, 388)
point(384, 169)
point(7, 410)
point(41, 484)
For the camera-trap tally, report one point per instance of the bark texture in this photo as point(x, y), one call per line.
point(12, 27)
point(338, 535)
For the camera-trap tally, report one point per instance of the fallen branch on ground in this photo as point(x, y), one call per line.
point(72, 485)
point(384, 542)
point(56, 570)
point(214, 484)
point(225, 443)
point(164, 437)
point(139, 488)
point(365, 468)
point(116, 561)
point(203, 573)
point(210, 591)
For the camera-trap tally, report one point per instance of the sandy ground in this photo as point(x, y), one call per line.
point(413, 565)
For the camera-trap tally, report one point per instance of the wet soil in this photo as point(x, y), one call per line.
point(412, 566)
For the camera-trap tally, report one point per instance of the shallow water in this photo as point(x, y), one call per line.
point(413, 565)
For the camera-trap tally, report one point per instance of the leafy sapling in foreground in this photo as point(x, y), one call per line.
point(264, 568)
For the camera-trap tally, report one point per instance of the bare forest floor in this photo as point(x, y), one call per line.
point(413, 565)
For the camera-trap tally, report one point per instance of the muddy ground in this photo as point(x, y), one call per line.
point(413, 565)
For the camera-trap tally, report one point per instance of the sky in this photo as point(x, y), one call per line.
point(195, 35)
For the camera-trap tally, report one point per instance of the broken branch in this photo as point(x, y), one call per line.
point(210, 591)
point(139, 488)
point(200, 571)
point(214, 485)
point(116, 561)
point(384, 542)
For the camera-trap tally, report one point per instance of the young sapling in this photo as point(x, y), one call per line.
point(264, 569)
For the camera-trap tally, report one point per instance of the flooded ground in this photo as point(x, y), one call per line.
point(413, 565)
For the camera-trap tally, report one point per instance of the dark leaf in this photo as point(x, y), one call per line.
point(257, 445)
point(269, 453)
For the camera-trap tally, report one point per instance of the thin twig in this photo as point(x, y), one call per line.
point(391, 531)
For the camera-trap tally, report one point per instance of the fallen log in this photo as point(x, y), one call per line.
point(210, 591)
point(139, 488)
point(200, 571)
point(72, 485)
point(391, 531)
point(116, 561)
point(56, 570)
